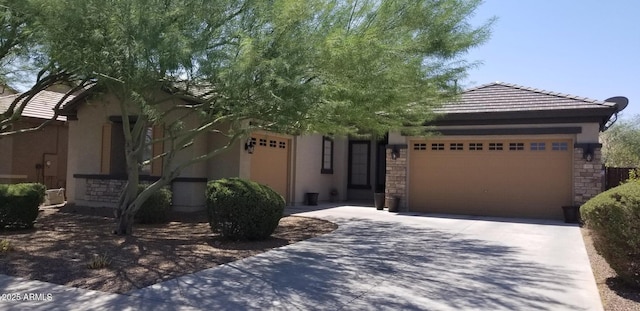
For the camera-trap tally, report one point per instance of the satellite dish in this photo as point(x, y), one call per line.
point(620, 102)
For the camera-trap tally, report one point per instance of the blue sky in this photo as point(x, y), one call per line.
point(588, 48)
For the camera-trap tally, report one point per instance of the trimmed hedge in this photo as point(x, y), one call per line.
point(241, 209)
point(155, 210)
point(19, 205)
point(614, 219)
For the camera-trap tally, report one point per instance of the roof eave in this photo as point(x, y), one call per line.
point(599, 114)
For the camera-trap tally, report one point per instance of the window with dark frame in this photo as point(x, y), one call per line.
point(559, 146)
point(537, 146)
point(327, 155)
point(437, 146)
point(475, 146)
point(495, 146)
point(456, 146)
point(516, 146)
point(420, 146)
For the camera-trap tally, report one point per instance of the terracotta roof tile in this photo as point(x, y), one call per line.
point(41, 106)
point(503, 97)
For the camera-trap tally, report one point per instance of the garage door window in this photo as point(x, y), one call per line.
point(495, 146)
point(538, 146)
point(437, 146)
point(516, 146)
point(456, 146)
point(475, 146)
point(559, 146)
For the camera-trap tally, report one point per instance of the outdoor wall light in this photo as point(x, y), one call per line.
point(249, 146)
point(395, 153)
point(588, 153)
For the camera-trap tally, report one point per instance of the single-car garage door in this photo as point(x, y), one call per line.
point(491, 177)
point(270, 162)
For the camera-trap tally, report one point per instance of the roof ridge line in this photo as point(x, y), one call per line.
point(540, 91)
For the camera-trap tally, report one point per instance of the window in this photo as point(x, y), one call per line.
point(272, 143)
point(456, 146)
point(113, 158)
point(282, 145)
point(495, 146)
point(327, 156)
point(437, 146)
point(538, 146)
point(419, 146)
point(559, 146)
point(475, 146)
point(516, 146)
point(263, 142)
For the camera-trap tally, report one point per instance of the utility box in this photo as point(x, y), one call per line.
point(54, 196)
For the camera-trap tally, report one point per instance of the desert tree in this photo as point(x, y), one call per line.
point(621, 143)
point(22, 62)
point(291, 66)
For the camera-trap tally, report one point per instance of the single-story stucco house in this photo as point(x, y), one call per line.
point(502, 150)
point(38, 156)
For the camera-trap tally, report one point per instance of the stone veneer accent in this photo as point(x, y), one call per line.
point(587, 176)
point(396, 179)
point(104, 190)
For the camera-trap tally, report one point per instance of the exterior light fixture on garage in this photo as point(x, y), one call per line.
point(395, 152)
point(588, 153)
point(249, 146)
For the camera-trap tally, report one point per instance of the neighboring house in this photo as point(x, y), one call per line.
point(502, 150)
point(39, 156)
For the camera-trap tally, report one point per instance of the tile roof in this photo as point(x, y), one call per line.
point(41, 106)
point(505, 97)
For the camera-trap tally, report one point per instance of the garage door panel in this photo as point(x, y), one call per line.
point(511, 183)
point(270, 162)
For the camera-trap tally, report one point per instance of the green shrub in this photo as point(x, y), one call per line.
point(241, 209)
point(155, 210)
point(6, 246)
point(99, 262)
point(614, 219)
point(19, 205)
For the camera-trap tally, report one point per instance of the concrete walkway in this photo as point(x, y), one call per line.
point(376, 260)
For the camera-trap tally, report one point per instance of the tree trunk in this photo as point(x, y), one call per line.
point(124, 223)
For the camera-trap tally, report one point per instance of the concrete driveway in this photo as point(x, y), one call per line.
point(376, 260)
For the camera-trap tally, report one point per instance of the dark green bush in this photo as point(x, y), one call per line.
point(614, 219)
point(241, 209)
point(155, 210)
point(19, 205)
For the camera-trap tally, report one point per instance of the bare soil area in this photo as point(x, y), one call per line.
point(64, 242)
point(615, 295)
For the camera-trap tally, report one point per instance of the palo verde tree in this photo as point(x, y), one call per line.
point(621, 144)
point(291, 66)
point(20, 57)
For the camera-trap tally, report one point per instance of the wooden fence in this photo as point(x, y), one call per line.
point(614, 176)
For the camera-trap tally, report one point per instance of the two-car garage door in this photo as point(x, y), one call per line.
point(491, 177)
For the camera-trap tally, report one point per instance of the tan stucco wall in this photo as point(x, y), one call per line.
point(308, 176)
point(21, 153)
point(85, 144)
point(6, 158)
point(226, 164)
point(85, 152)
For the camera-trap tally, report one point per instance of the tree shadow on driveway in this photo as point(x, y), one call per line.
point(379, 265)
